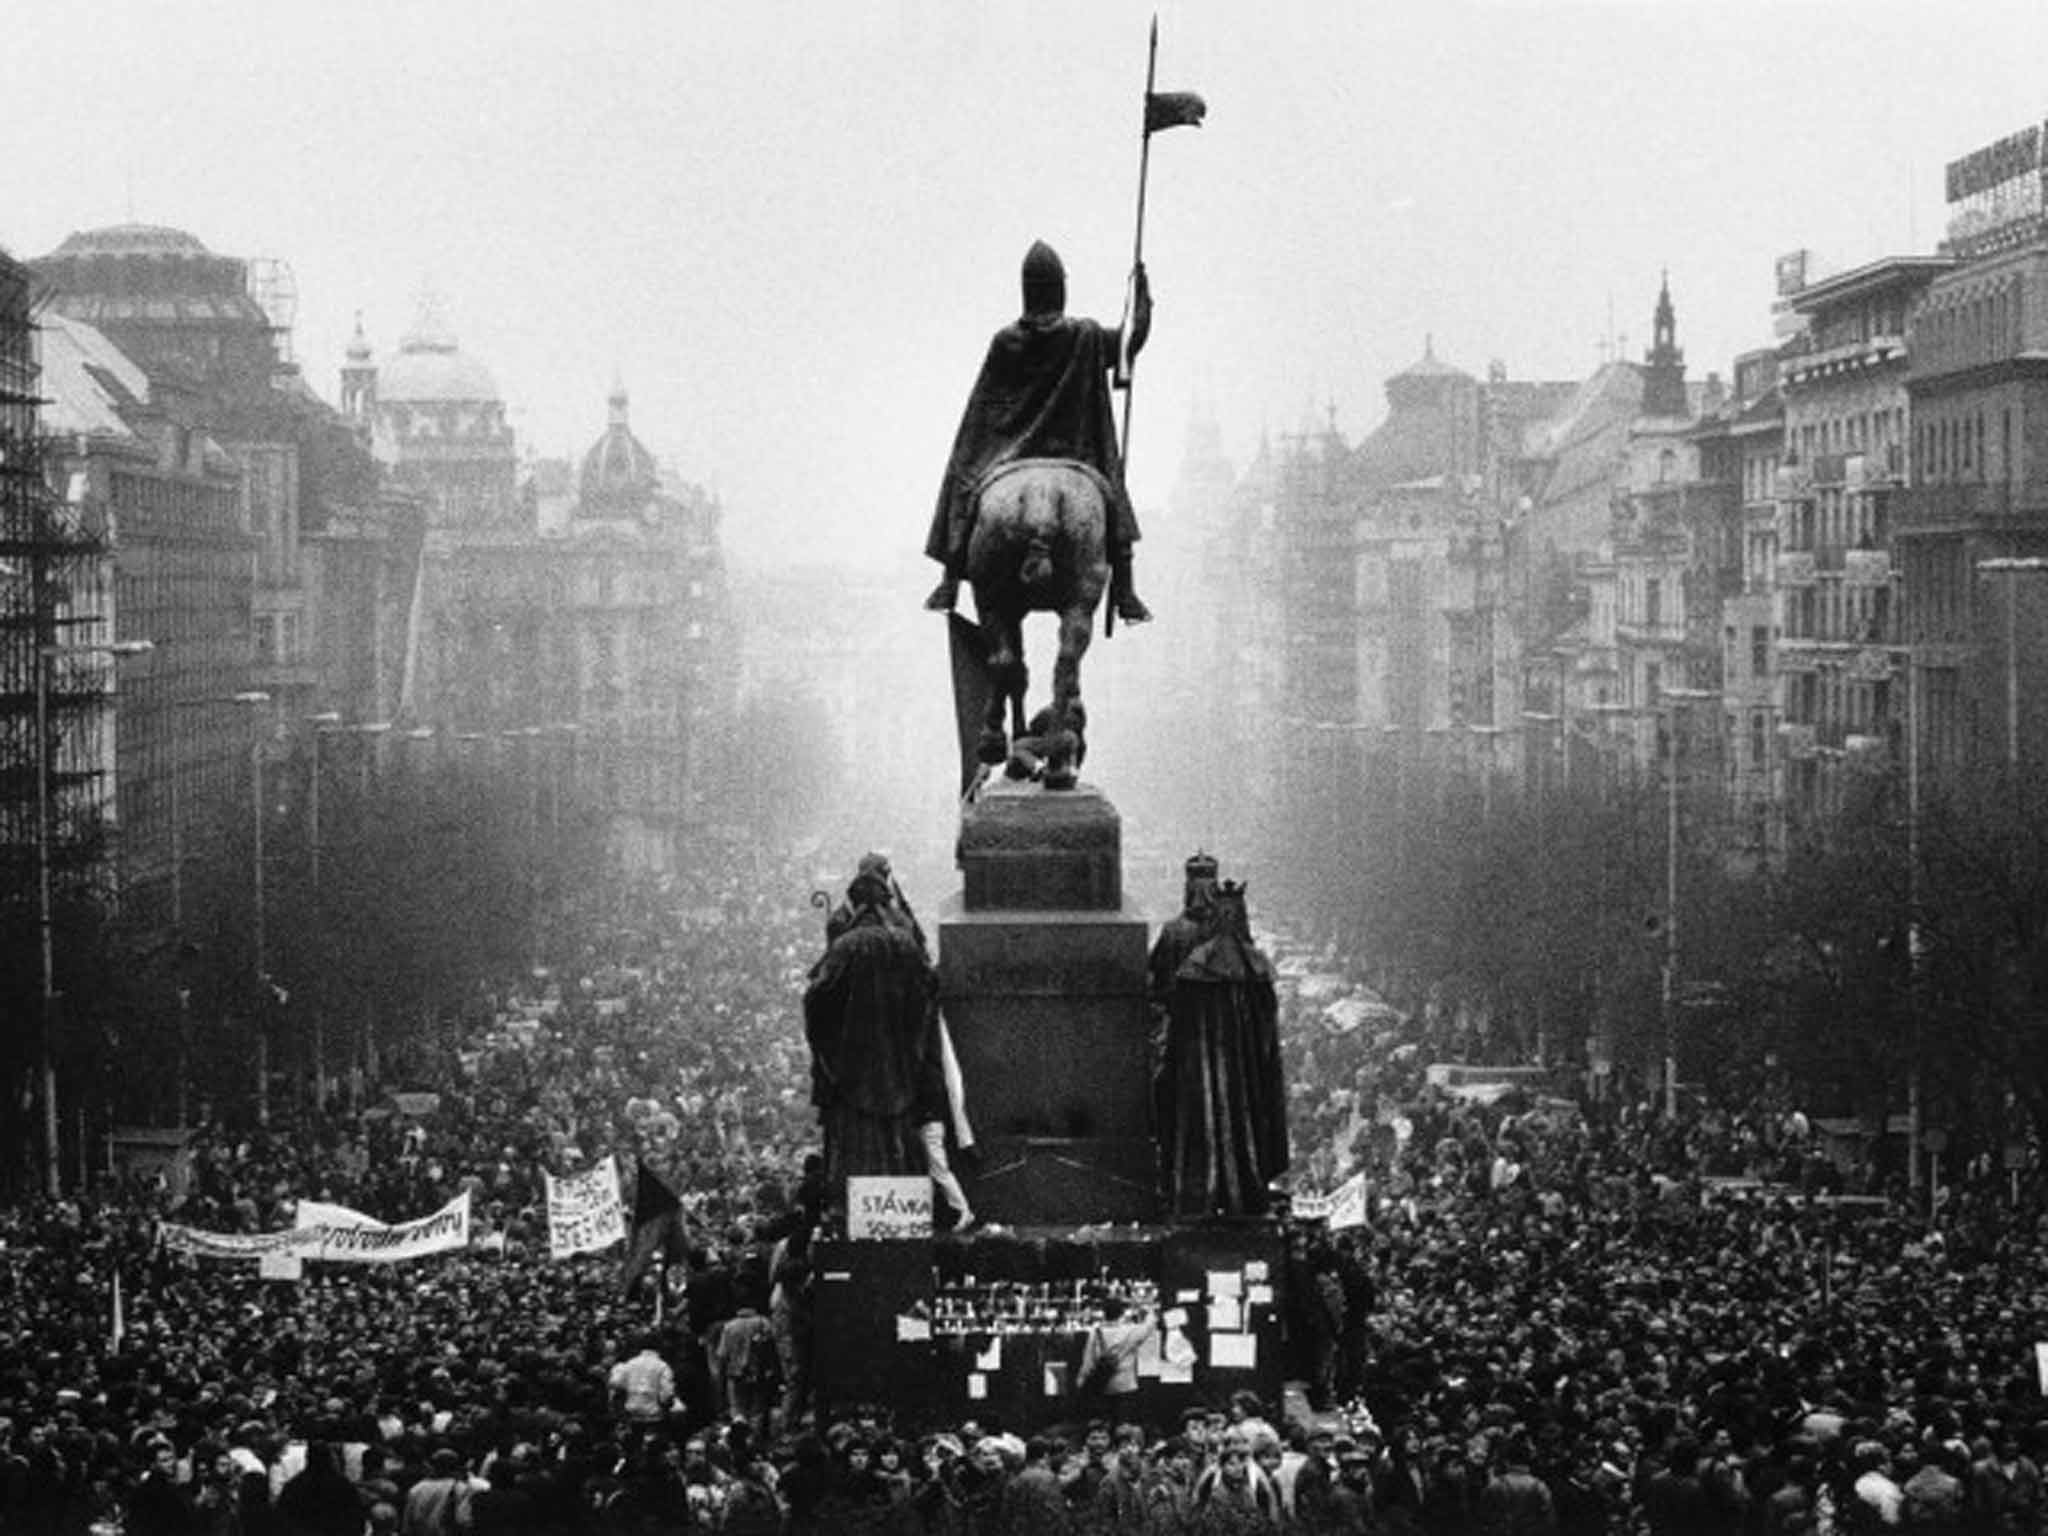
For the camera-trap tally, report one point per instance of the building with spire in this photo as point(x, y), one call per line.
point(1664, 393)
point(597, 632)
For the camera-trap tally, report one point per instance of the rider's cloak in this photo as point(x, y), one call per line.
point(1044, 392)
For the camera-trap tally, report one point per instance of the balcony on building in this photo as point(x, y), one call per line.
point(1878, 469)
point(1954, 507)
point(1843, 358)
point(1796, 567)
point(1794, 481)
point(1830, 469)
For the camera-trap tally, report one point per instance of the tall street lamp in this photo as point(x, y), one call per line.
point(244, 698)
point(1673, 701)
point(321, 723)
point(46, 909)
point(326, 723)
point(2012, 568)
point(265, 993)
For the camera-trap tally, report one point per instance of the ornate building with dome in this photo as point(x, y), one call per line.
point(433, 417)
point(595, 634)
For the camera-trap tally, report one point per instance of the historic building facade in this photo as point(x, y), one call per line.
point(579, 621)
point(1977, 381)
point(1843, 382)
point(1741, 443)
point(170, 500)
point(327, 555)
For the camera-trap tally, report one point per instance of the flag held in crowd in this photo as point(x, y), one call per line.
point(658, 1230)
point(585, 1212)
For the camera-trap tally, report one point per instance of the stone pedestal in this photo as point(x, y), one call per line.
point(1042, 979)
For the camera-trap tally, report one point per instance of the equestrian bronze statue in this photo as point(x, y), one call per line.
point(1033, 511)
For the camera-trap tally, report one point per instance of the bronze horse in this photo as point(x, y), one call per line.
point(1039, 546)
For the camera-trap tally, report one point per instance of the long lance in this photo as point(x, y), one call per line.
point(1130, 369)
point(1127, 361)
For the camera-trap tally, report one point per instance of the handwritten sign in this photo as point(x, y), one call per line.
point(585, 1210)
point(880, 1208)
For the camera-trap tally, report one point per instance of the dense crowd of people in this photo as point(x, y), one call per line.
point(1566, 1315)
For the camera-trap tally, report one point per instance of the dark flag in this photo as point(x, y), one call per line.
point(658, 1230)
point(1173, 109)
point(971, 690)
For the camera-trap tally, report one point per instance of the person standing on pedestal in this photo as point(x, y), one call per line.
point(1223, 1101)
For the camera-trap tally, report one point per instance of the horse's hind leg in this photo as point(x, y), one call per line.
point(1077, 627)
point(1006, 686)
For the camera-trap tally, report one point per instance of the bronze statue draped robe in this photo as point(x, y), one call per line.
point(1223, 1099)
point(877, 1070)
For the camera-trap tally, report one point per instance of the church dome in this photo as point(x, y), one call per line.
point(1430, 366)
point(618, 472)
point(431, 368)
point(131, 240)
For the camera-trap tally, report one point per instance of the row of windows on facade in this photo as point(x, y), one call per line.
point(1951, 447)
point(151, 504)
point(1970, 325)
point(1848, 433)
point(1846, 613)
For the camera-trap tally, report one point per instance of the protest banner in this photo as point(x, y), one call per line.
point(320, 1213)
point(585, 1211)
point(1344, 1207)
point(444, 1230)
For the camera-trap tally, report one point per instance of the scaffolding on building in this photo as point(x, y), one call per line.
point(54, 701)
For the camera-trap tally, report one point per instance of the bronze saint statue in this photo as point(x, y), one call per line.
point(1223, 1098)
point(878, 1054)
point(1034, 513)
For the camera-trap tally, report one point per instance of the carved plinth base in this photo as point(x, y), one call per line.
point(1025, 848)
point(1042, 978)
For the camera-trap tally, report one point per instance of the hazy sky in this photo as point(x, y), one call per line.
point(791, 227)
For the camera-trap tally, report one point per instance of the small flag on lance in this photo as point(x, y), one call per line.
point(1173, 109)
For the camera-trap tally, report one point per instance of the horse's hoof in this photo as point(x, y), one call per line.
point(992, 748)
point(1061, 778)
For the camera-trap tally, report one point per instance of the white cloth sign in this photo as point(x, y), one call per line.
point(585, 1212)
point(1344, 1207)
point(444, 1230)
point(1347, 1204)
point(320, 1213)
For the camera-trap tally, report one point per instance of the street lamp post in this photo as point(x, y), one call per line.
point(46, 909)
point(1674, 700)
point(247, 697)
point(322, 723)
point(327, 723)
point(327, 720)
point(257, 934)
point(2012, 568)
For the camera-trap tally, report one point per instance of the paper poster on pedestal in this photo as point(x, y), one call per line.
point(880, 1208)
